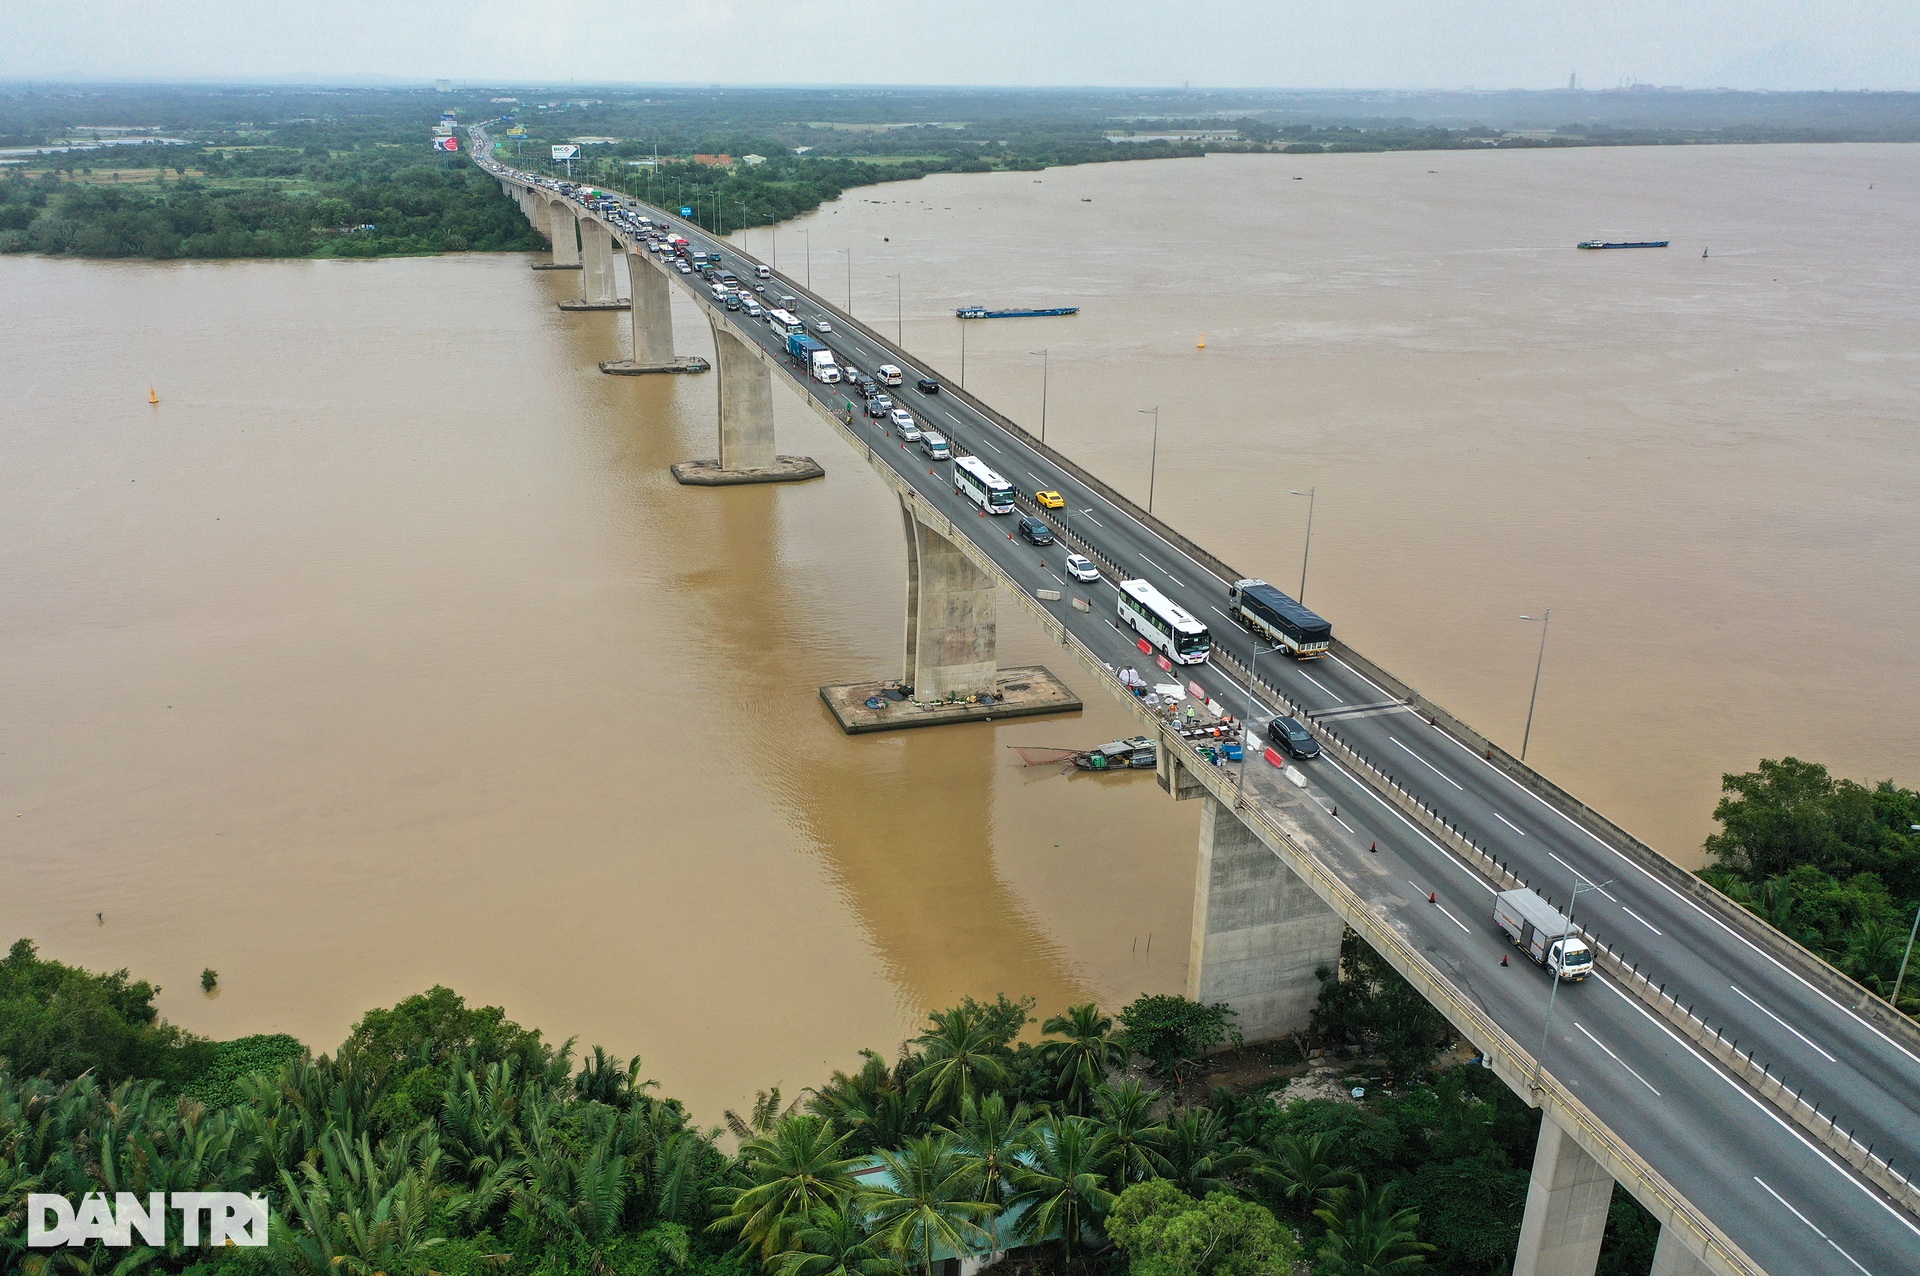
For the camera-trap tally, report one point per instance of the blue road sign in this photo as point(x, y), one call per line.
point(686, 212)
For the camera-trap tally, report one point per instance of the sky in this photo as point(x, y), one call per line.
point(1411, 44)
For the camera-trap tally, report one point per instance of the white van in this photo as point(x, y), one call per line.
point(761, 272)
point(887, 374)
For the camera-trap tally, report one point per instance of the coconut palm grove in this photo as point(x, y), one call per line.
point(443, 1138)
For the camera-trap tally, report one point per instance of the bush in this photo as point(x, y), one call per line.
point(61, 1021)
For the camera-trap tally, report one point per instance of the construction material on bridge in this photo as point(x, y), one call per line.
point(981, 312)
point(706, 472)
point(1022, 692)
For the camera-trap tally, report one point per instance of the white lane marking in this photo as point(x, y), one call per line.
point(1783, 1023)
point(1368, 790)
point(1611, 1055)
point(1223, 615)
point(1091, 519)
point(1323, 686)
point(1509, 823)
point(1455, 920)
point(1669, 888)
point(1583, 877)
point(985, 442)
point(1809, 1222)
point(1170, 576)
point(1637, 917)
point(1740, 1088)
point(1430, 766)
point(1362, 677)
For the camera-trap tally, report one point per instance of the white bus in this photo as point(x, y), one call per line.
point(1164, 623)
point(784, 322)
point(973, 480)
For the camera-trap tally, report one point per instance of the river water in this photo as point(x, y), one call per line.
point(383, 651)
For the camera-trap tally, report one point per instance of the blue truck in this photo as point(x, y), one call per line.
point(814, 357)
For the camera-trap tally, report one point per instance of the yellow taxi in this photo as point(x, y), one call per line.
point(1049, 500)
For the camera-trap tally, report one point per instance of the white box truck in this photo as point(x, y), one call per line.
point(1543, 933)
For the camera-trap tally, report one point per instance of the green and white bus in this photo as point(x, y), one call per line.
point(1164, 623)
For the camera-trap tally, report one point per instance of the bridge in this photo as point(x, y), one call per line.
point(1762, 1107)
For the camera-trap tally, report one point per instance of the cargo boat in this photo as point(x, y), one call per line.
point(1641, 243)
point(981, 312)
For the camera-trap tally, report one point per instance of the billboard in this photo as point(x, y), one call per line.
point(565, 152)
point(446, 143)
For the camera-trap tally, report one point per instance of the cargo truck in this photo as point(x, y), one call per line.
point(814, 357)
point(1543, 933)
point(1288, 624)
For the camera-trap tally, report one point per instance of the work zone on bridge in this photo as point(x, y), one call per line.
point(1762, 1109)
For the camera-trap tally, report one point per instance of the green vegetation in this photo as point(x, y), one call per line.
point(278, 172)
point(1831, 863)
point(444, 1138)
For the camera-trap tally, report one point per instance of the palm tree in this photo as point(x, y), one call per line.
point(1129, 1136)
point(990, 1140)
point(1200, 1156)
point(929, 1203)
point(792, 1170)
point(766, 1112)
point(1367, 1236)
point(1064, 1189)
point(962, 1060)
point(1085, 1051)
point(1303, 1173)
point(830, 1243)
point(871, 1106)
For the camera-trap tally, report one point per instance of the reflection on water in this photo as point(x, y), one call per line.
point(384, 651)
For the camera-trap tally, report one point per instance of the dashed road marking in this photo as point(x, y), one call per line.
point(1430, 766)
point(1616, 1058)
point(1783, 1023)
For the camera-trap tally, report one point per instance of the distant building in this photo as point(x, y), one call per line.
point(510, 101)
point(443, 86)
point(1179, 135)
point(751, 160)
point(714, 161)
point(597, 141)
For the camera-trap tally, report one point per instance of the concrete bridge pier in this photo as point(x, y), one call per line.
point(1566, 1216)
point(746, 421)
point(1671, 1257)
point(652, 324)
point(599, 288)
point(561, 230)
point(1259, 931)
point(952, 629)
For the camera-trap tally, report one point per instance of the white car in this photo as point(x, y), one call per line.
point(821, 325)
point(1081, 568)
point(903, 425)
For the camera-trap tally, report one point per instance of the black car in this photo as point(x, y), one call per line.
point(928, 385)
point(877, 408)
point(1036, 531)
point(867, 386)
point(1291, 738)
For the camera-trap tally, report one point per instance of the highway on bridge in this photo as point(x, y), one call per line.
point(1790, 1205)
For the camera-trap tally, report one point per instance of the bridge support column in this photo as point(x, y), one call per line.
point(1566, 1216)
point(951, 626)
point(652, 324)
point(746, 421)
point(1259, 932)
point(561, 230)
point(1671, 1257)
point(599, 287)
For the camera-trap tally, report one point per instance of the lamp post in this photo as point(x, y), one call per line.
point(963, 354)
point(1253, 708)
point(1153, 464)
point(899, 324)
point(1545, 618)
point(1308, 549)
point(1914, 930)
point(849, 253)
point(809, 235)
point(1540, 1056)
point(1044, 361)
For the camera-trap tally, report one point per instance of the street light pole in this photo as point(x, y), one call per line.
point(849, 253)
point(963, 354)
point(1914, 930)
point(899, 324)
point(1309, 494)
point(1546, 619)
point(1153, 464)
point(1044, 361)
point(809, 235)
point(1540, 1056)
